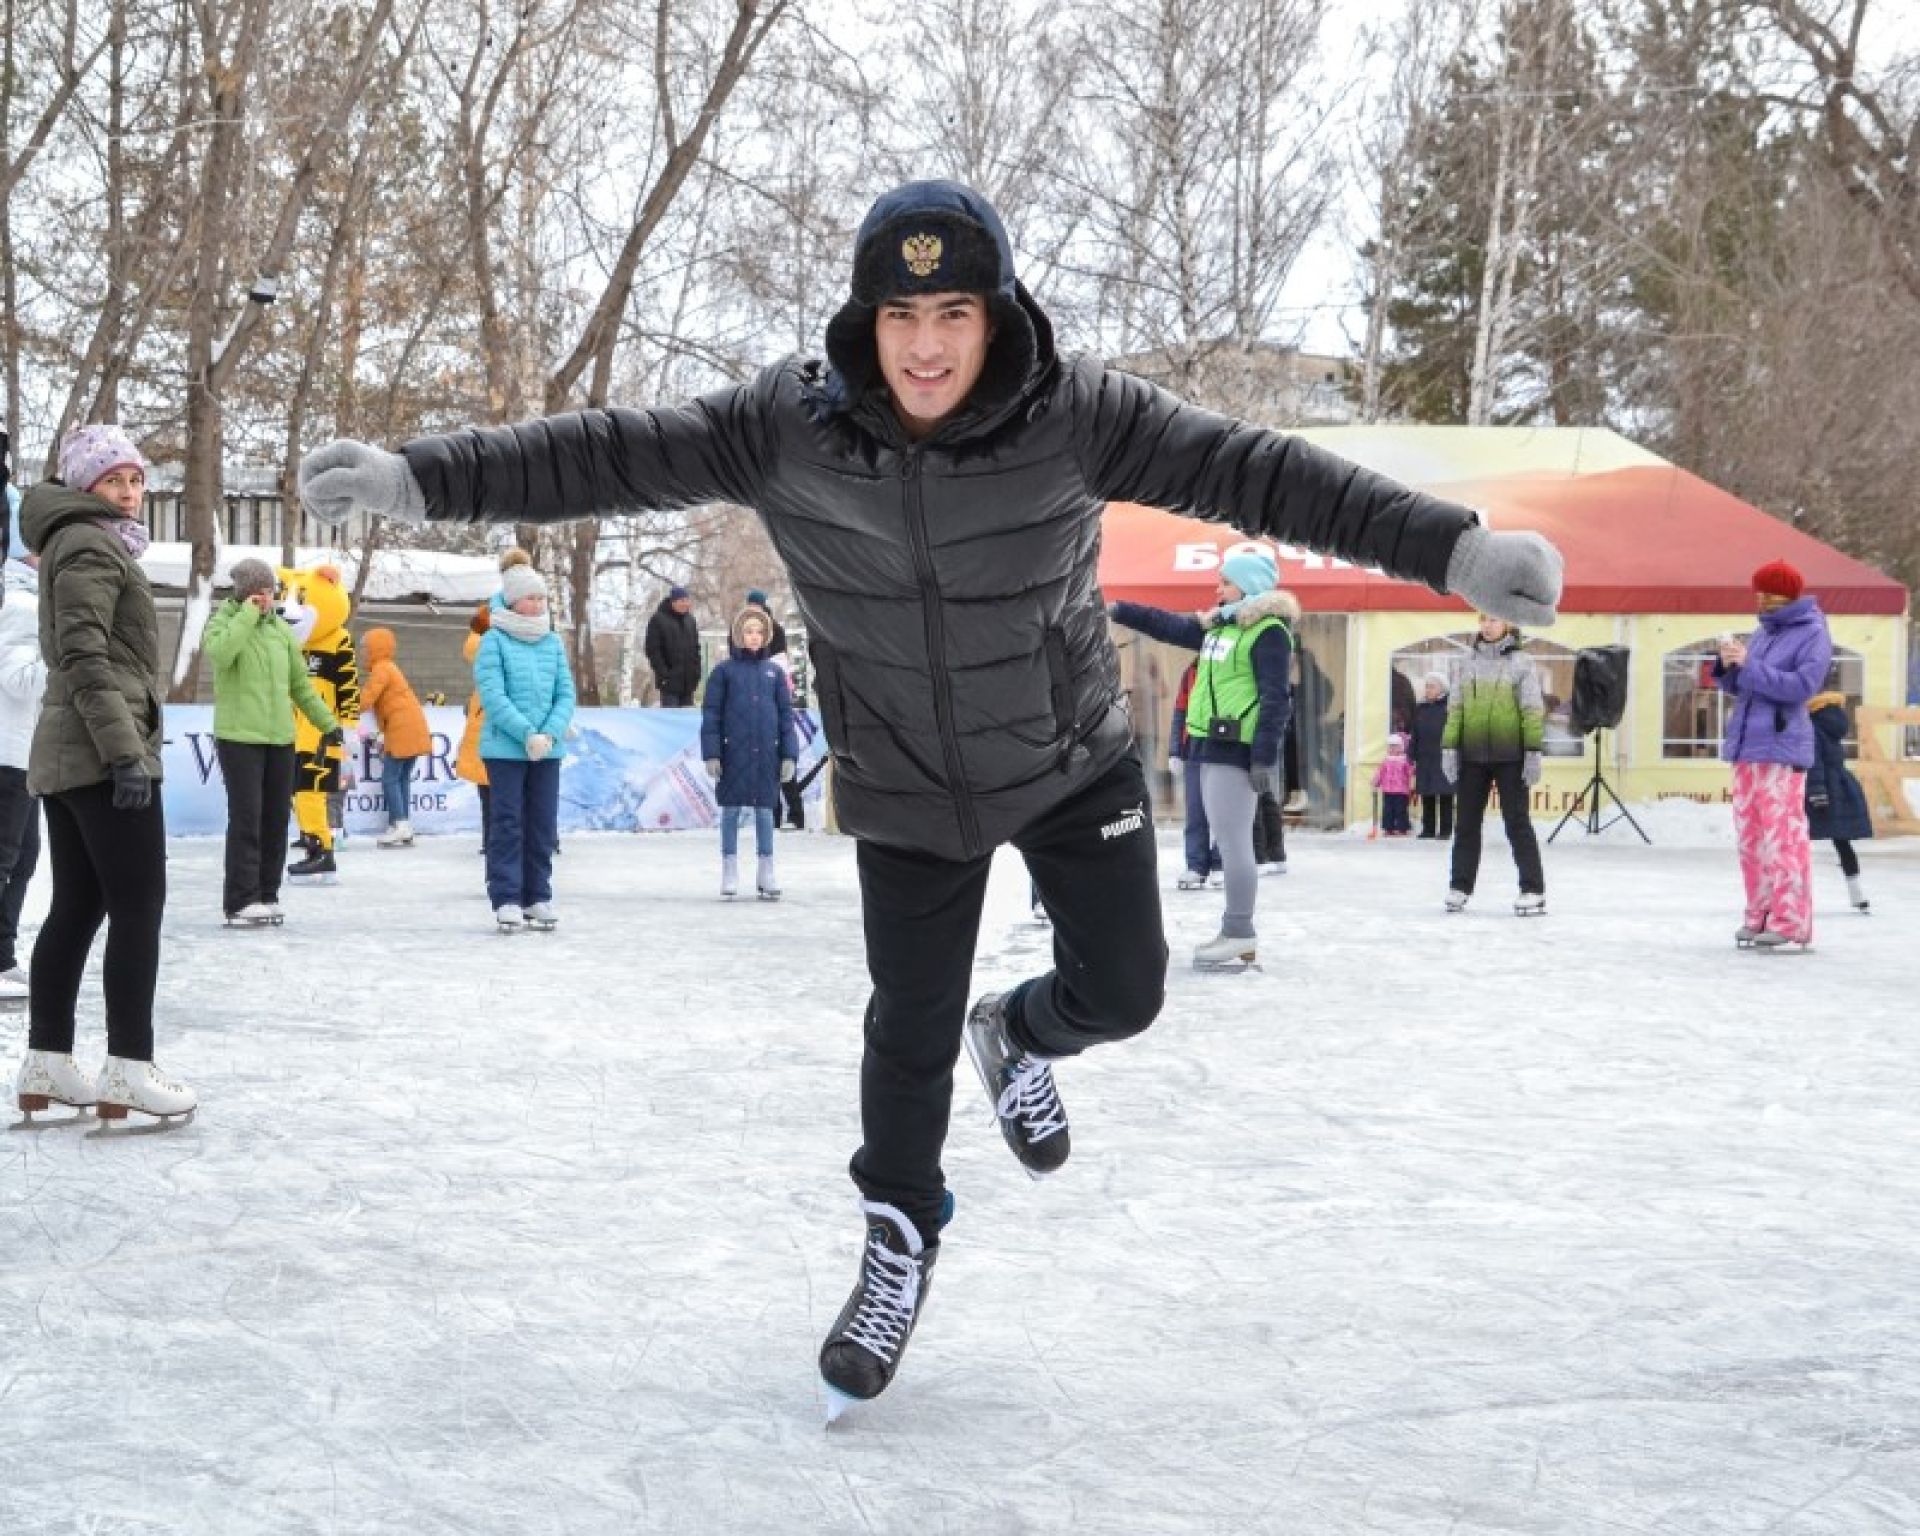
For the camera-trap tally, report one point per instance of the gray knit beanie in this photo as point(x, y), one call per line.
point(518, 581)
point(251, 576)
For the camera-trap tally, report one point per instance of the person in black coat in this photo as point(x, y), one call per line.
point(1430, 781)
point(935, 486)
point(673, 649)
point(1836, 804)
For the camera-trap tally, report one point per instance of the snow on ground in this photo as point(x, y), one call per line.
point(1588, 1224)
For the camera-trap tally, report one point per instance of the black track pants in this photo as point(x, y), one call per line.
point(1092, 860)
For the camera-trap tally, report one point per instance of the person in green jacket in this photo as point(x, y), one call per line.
point(259, 679)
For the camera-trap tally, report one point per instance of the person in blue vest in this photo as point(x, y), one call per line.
point(748, 741)
point(1236, 721)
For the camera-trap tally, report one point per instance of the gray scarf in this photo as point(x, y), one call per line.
point(523, 626)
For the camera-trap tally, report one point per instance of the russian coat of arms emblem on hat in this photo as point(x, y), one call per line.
point(922, 254)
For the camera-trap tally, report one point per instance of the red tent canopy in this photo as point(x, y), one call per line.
point(1643, 538)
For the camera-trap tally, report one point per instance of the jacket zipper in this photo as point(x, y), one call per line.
point(931, 614)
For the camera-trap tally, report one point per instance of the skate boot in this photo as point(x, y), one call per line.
point(729, 877)
point(1192, 880)
point(399, 835)
point(509, 919)
point(1530, 904)
point(15, 988)
point(48, 1078)
point(140, 1086)
point(1857, 894)
point(317, 866)
point(1025, 1102)
point(1457, 900)
point(541, 916)
point(255, 914)
point(275, 913)
point(863, 1350)
point(1774, 939)
point(1744, 935)
point(765, 882)
point(1226, 952)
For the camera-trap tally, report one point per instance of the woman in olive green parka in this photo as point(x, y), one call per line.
point(259, 680)
point(96, 764)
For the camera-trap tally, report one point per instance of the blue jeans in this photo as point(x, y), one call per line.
point(523, 828)
point(762, 829)
point(1202, 857)
point(396, 779)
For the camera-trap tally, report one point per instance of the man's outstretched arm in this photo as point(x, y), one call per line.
point(1139, 443)
point(579, 464)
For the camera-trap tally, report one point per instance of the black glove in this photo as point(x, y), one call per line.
point(132, 789)
point(333, 738)
point(1266, 778)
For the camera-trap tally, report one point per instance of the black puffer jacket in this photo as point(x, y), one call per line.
point(949, 585)
point(673, 650)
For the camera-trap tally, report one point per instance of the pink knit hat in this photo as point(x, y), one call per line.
point(89, 454)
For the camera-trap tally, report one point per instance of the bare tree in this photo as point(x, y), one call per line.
point(1203, 177)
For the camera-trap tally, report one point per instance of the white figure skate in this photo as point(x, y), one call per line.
point(48, 1078)
point(139, 1087)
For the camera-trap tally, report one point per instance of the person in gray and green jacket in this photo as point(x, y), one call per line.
point(1492, 741)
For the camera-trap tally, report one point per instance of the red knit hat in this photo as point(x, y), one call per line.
point(1779, 579)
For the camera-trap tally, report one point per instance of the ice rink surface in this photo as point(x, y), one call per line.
point(1587, 1224)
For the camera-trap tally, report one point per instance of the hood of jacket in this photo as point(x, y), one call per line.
point(470, 648)
point(50, 506)
point(376, 646)
point(1021, 352)
point(1277, 604)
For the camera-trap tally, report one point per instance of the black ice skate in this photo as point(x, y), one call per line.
point(1025, 1102)
point(863, 1351)
point(317, 866)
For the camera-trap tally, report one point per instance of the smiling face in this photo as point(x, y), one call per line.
point(125, 486)
point(932, 349)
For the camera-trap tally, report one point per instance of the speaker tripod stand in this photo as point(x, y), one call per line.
point(1588, 804)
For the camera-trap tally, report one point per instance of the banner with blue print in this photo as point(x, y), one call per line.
point(625, 770)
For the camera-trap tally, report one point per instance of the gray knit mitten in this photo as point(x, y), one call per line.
point(343, 475)
point(1513, 576)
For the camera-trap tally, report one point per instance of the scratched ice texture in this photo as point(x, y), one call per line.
point(1436, 1224)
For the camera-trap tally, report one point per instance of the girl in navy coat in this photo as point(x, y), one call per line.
point(750, 746)
point(1836, 804)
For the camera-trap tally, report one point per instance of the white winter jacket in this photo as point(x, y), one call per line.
point(23, 675)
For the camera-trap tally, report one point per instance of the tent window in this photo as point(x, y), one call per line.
point(1694, 711)
point(1443, 654)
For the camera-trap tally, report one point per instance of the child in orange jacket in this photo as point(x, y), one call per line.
point(467, 763)
point(388, 699)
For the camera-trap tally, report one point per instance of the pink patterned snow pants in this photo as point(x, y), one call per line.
point(1776, 858)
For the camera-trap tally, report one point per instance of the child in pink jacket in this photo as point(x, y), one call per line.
point(1394, 779)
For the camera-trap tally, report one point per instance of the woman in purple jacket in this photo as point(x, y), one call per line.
point(1769, 741)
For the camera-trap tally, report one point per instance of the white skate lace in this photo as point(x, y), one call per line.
point(1029, 1097)
point(889, 1294)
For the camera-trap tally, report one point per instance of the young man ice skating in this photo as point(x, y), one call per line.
point(934, 486)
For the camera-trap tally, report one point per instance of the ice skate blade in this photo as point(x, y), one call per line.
point(535, 927)
point(82, 1114)
point(112, 1127)
point(768, 895)
point(1226, 967)
point(330, 877)
point(838, 1402)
